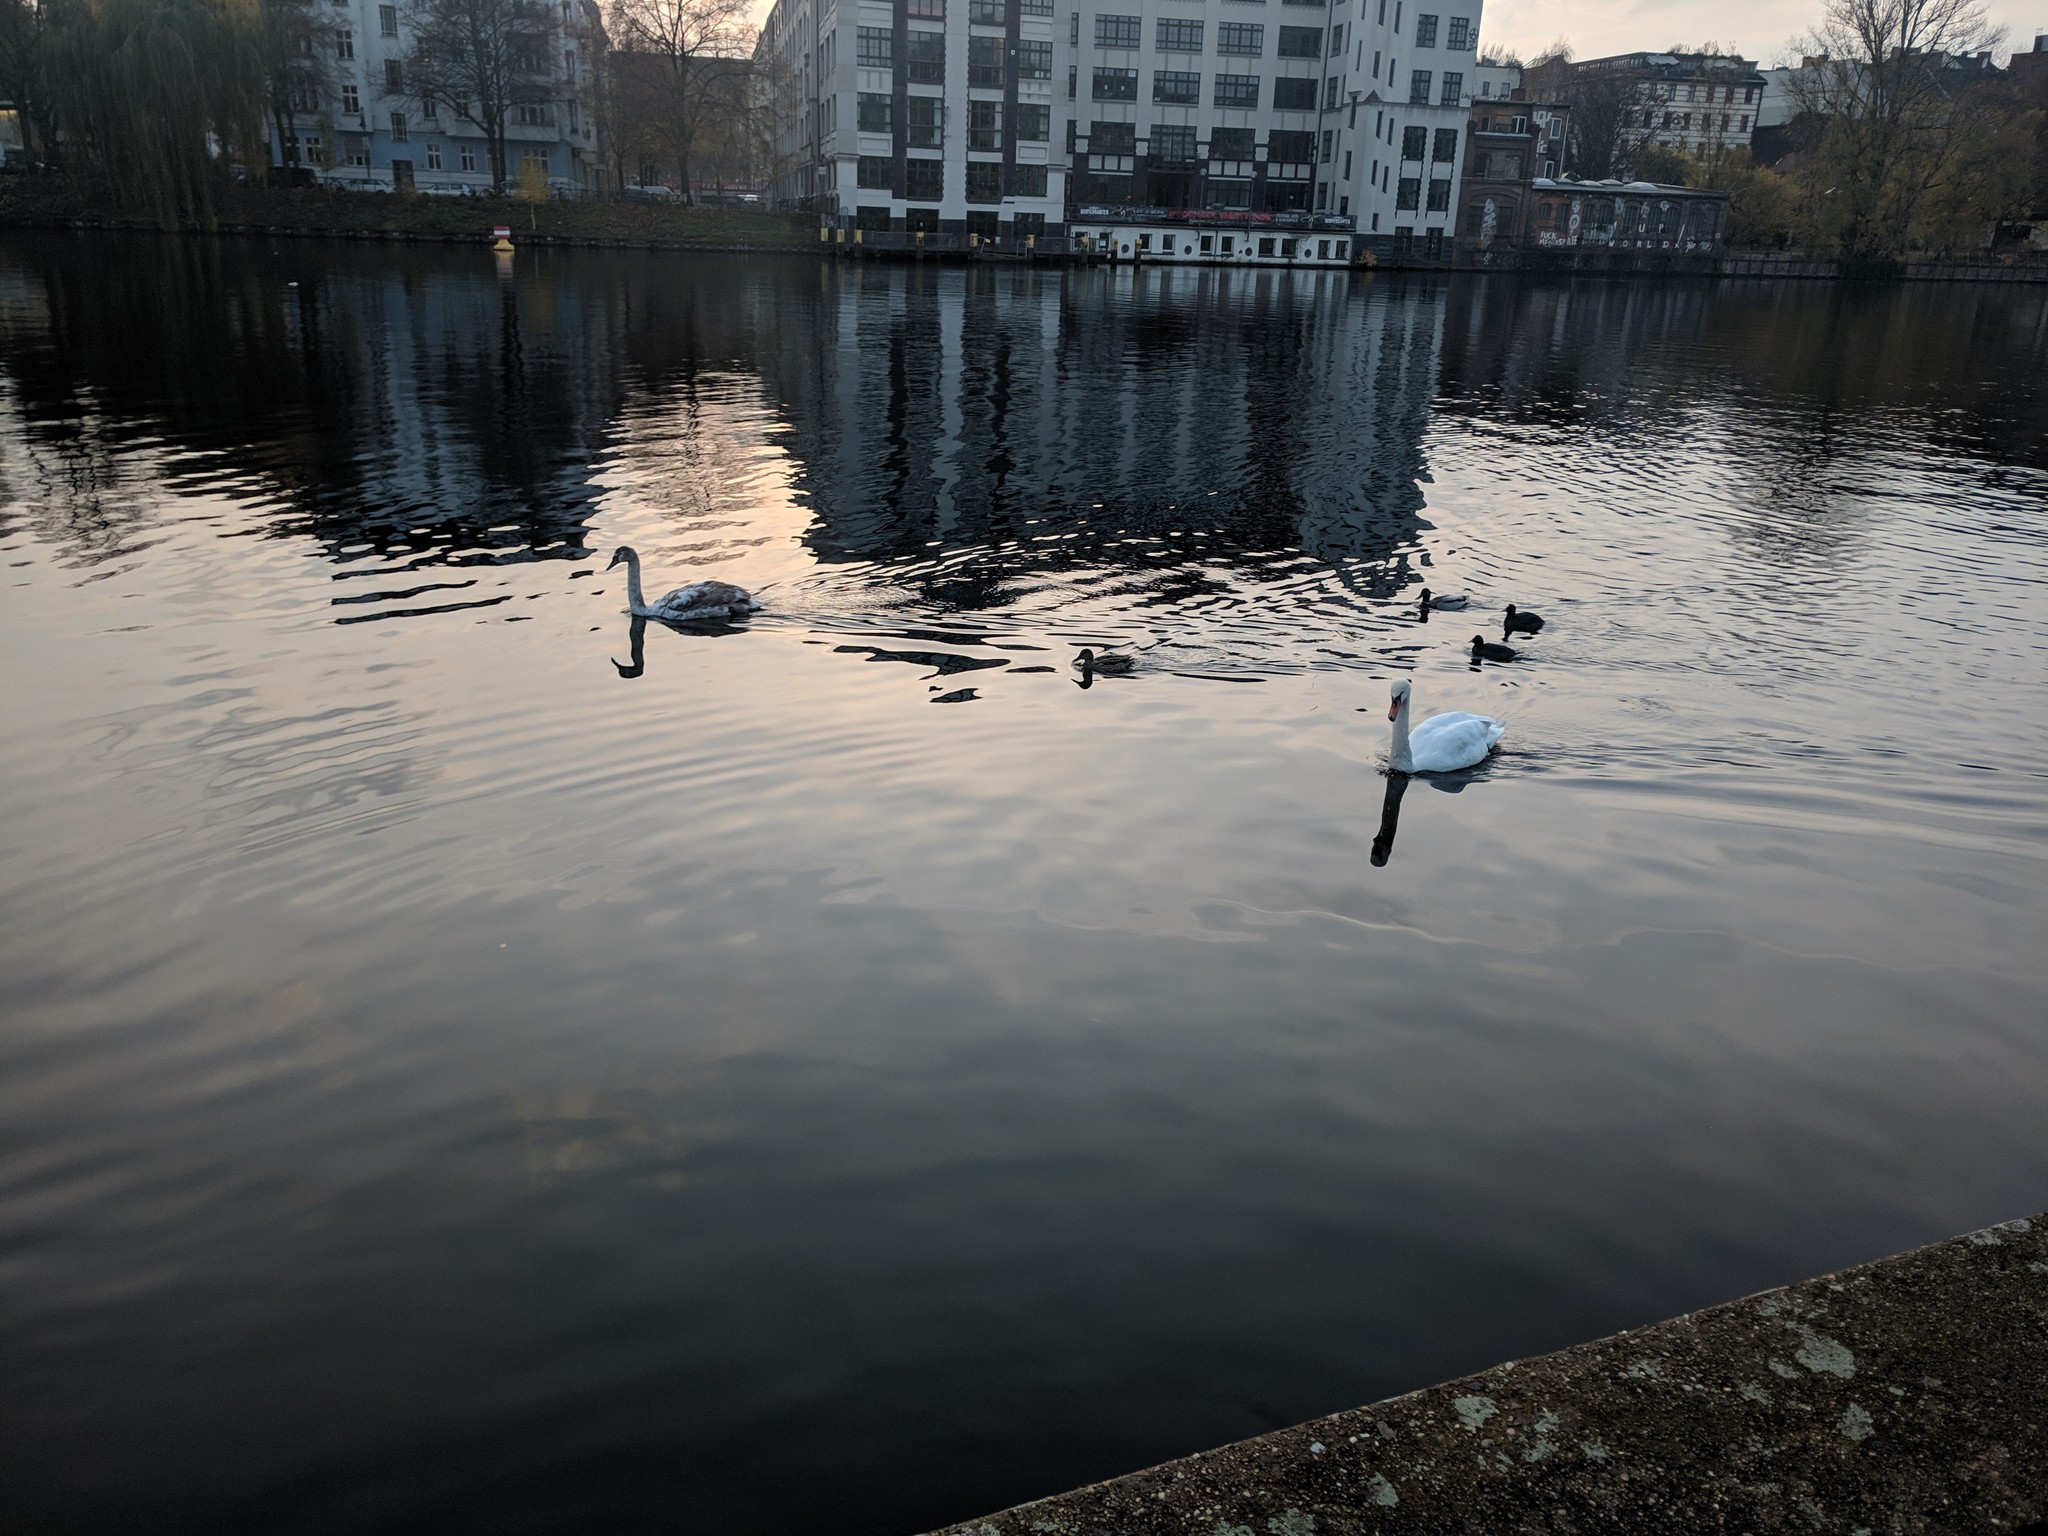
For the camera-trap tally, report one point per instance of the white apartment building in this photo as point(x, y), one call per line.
point(1696, 102)
point(366, 127)
point(906, 116)
point(1351, 108)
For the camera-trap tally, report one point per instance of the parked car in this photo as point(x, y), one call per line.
point(654, 192)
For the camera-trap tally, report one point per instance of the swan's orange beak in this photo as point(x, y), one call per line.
point(1394, 710)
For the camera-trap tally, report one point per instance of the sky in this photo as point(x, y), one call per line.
point(1757, 29)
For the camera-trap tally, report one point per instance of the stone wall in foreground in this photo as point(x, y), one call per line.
point(1905, 1395)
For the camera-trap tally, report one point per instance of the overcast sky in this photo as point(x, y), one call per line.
point(1758, 29)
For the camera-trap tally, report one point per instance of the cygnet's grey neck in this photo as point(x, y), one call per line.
point(633, 597)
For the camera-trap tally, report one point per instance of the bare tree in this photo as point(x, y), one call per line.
point(294, 69)
point(1878, 74)
point(482, 59)
point(693, 50)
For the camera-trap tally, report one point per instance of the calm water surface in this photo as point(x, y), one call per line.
point(469, 1065)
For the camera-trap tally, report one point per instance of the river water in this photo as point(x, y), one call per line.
point(467, 1065)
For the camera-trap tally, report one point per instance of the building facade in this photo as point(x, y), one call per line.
point(995, 116)
point(361, 126)
point(916, 116)
point(1698, 103)
point(1510, 145)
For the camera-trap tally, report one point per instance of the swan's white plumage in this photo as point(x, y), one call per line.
point(1442, 743)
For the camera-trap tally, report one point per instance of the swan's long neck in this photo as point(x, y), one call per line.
point(1401, 760)
point(633, 598)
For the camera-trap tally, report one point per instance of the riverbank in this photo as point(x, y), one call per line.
point(34, 203)
point(1905, 1395)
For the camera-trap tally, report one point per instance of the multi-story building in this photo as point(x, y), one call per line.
point(916, 116)
point(1346, 108)
point(1510, 145)
point(1701, 103)
point(365, 125)
point(1495, 79)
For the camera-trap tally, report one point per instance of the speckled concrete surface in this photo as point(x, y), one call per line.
point(1905, 1395)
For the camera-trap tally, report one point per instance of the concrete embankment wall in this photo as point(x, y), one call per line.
point(1905, 1395)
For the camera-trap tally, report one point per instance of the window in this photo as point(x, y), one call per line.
point(430, 109)
point(928, 10)
point(1029, 181)
point(1454, 88)
point(1171, 144)
point(1425, 31)
point(1113, 138)
point(1238, 91)
point(433, 157)
point(1408, 193)
point(874, 48)
point(1301, 42)
point(984, 125)
point(1329, 137)
point(1413, 142)
point(1177, 87)
point(924, 180)
point(1460, 35)
point(1439, 195)
point(350, 102)
point(1242, 37)
point(1116, 84)
point(1418, 88)
point(925, 57)
point(988, 13)
point(871, 112)
point(1116, 31)
point(1294, 95)
point(387, 20)
point(924, 122)
point(1036, 7)
point(1330, 94)
point(985, 61)
point(305, 99)
point(533, 114)
point(468, 157)
point(873, 173)
point(1445, 148)
point(1745, 124)
point(1290, 146)
point(398, 127)
point(984, 181)
point(1176, 35)
point(344, 43)
point(394, 77)
point(1034, 61)
point(1031, 124)
point(1230, 143)
point(1336, 41)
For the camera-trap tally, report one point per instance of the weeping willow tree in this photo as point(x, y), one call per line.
point(162, 99)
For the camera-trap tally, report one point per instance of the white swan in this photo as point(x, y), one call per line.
point(1442, 743)
point(699, 600)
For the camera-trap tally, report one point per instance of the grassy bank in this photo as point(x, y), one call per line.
point(45, 202)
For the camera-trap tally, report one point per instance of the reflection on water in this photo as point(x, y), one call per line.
point(441, 1083)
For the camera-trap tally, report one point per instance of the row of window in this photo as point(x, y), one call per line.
point(1294, 146)
point(1457, 37)
point(1184, 35)
point(1408, 194)
point(1692, 93)
point(925, 180)
point(924, 120)
point(1453, 88)
point(924, 57)
point(980, 13)
point(1683, 121)
point(1174, 87)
